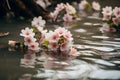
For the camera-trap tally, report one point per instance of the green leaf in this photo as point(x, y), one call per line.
point(46, 43)
point(88, 6)
point(35, 29)
point(75, 15)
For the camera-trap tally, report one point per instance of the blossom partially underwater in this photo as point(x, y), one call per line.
point(57, 42)
point(116, 12)
point(96, 6)
point(112, 18)
point(29, 40)
point(60, 41)
point(83, 4)
point(34, 46)
point(59, 7)
point(116, 21)
point(106, 28)
point(67, 18)
point(34, 36)
point(70, 9)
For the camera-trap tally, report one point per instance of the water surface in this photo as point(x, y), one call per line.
point(99, 53)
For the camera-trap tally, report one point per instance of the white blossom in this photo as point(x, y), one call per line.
point(29, 40)
point(60, 7)
point(83, 4)
point(107, 11)
point(67, 18)
point(116, 11)
point(116, 21)
point(70, 9)
point(54, 15)
point(27, 32)
point(96, 6)
point(34, 46)
point(38, 22)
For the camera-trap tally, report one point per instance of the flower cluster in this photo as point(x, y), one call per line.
point(34, 36)
point(69, 10)
point(112, 17)
point(59, 41)
point(85, 5)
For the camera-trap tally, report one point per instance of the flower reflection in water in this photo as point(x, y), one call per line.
point(112, 19)
point(29, 60)
point(62, 70)
point(90, 65)
point(26, 77)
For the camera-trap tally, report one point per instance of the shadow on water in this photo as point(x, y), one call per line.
point(99, 54)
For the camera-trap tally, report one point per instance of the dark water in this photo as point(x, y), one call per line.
point(99, 59)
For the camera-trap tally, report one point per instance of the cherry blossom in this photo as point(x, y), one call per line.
point(47, 2)
point(48, 35)
point(60, 7)
point(54, 15)
point(67, 18)
point(112, 17)
point(70, 9)
point(107, 11)
point(116, 11)
point(96, 6)
point(54, 37)
point(41, 3)
point(64, 47)
point(53, 46)
point(68, 36)
point(34, 46)
point(73, 52)
point(58, 41)
point(29, 40)
point(107, 17)
point(116, 21)
point(60, 38)
point(60, 31)
point(38, 22)
point(27, 32)
point(43, 33)
point(83, 4)
point(12, 43)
